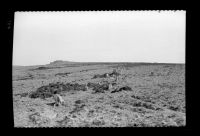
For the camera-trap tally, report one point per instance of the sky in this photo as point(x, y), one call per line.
point(99, 36)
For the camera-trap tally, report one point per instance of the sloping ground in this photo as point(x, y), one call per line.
point(144, 96)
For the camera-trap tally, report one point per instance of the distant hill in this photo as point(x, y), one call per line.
point(61, 61)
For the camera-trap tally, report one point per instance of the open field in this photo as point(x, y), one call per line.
point(145, 95)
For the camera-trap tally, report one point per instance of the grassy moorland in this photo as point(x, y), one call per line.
point(145, 95)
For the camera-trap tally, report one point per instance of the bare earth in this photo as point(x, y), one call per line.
point(156, 97)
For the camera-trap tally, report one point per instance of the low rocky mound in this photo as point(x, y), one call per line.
point(113, 74)
point(60, 63)
point(99, 88)
point(122, 88)
point(56, 88)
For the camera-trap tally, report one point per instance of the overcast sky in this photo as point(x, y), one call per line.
point(128, 36)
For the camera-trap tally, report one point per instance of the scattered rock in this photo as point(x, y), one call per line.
point(41, 68)
point(98, 123)
point(58, 100)
point(22, 94)
point(113, 74)
point(79, 101)
point(38, 120)
point(79, 105)
point(65, 122)
point(174, 108)
point(124, 88)
point(101, 88)
point(62, 74)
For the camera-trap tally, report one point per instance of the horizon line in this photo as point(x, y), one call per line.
point(102, 62)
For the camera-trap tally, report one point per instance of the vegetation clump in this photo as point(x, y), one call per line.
point(56, 88)
point(105, 75)
point(123, 88)
point(41, 68)
point(62, 74)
